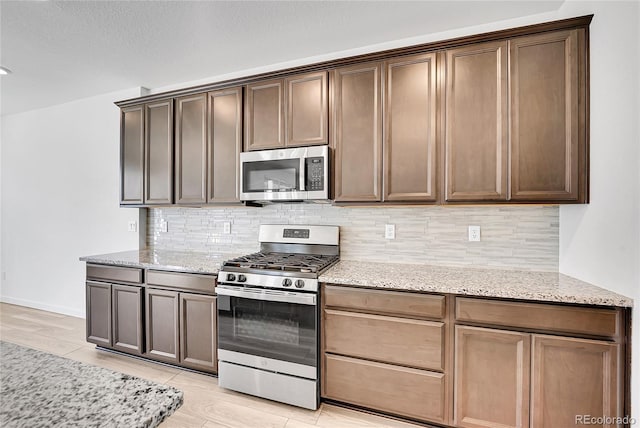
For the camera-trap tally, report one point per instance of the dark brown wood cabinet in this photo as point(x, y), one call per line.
point(476, 123)
point(358, 133)
point(191, 149)
point(162, 317)
point(224, 144)
point(287, 112)
point(572, 377)
point(410, 134)
point(132, 155)
point(158, 187)
point(307, 109)
point(127, 318)
point(198, 335)
point(491, 378)
point(379, 352)
point(98, 295)
point(529, 378)
point(264, 115)
point(548, 117)
point(114, 308)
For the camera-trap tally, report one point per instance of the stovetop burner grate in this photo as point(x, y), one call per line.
point(290, 262)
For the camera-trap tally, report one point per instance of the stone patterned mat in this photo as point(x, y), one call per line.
point(38, 389)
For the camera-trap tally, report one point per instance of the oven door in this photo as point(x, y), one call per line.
point(258, 327)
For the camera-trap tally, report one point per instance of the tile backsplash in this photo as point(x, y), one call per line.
point(512, 237)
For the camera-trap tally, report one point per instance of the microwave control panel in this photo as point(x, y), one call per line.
point(315, 173)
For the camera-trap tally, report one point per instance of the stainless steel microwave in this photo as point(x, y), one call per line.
point(297, 174)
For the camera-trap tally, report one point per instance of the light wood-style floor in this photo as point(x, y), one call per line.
point(205, 404)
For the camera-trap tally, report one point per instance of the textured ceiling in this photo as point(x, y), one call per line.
point(62, 51)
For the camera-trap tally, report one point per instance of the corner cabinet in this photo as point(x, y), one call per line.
point(287, 112)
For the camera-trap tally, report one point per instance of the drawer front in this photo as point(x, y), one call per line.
point(114, 273)
point(539, 316)
point(394, 340)
point(183, 281)
point(403, 391)
point(385, 302)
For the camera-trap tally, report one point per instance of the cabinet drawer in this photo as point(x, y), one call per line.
point(186, 281)
point(114, 273)
point(395, 340)
point(385, 302)
point(403, 391)
point(539, 316)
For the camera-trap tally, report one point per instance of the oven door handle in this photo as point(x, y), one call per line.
point(269, 295)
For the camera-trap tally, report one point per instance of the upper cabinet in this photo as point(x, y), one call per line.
point(132, 155)
point(476, 123)
point(158, 145)
point(287, 112)
point(548, 122)
point(493, 118)
point(191, 149)
point(410, 139)
point(358, 133)
point(224, 145)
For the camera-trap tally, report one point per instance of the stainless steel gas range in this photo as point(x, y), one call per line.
point(268, 314)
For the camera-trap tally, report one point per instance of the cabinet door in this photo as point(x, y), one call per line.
point(127, 318)
point(410, 129)
point(307, 111)
point(491, 378)
point(191, 149)
point(159, 153)
point(264, 113)
point(131, 155)
point(98, 295)
point(545, 116)
point(358, 127)
point(198, 332)
point(161, 309)
point(224, 145)
point(476, 123)
point(573, 377)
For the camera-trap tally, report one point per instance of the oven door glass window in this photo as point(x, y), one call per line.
point(271, 176)
point(277, 330)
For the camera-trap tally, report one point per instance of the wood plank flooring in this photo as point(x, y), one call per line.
point(205, 404)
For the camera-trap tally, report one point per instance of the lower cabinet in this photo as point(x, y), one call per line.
point(160, 315)
point(181, 328)
point(385, 351)
point(491, 378)
point(114, 316)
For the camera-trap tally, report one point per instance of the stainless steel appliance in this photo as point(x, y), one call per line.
point(298, 174)
point(268, 314)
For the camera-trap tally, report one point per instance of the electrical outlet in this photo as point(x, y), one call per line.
point(132, 226)
point(226, 227)
point(474, 233)
point(390, 231)
point(164, 226)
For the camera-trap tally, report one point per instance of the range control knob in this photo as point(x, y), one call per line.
point(286, 282)
point(299, 283)
point(231, 277)
point(242, 278)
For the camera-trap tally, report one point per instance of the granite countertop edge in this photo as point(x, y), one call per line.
point(538, 286)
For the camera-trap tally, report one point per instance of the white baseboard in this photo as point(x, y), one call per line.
point(43, 306)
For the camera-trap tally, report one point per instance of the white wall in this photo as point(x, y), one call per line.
point(60, 200)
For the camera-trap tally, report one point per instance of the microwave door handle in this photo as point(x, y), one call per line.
point(268, 295)
point(302, 174)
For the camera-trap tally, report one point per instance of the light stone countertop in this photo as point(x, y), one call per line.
point(178, 261)
point(509, 284)
point(524, 285)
